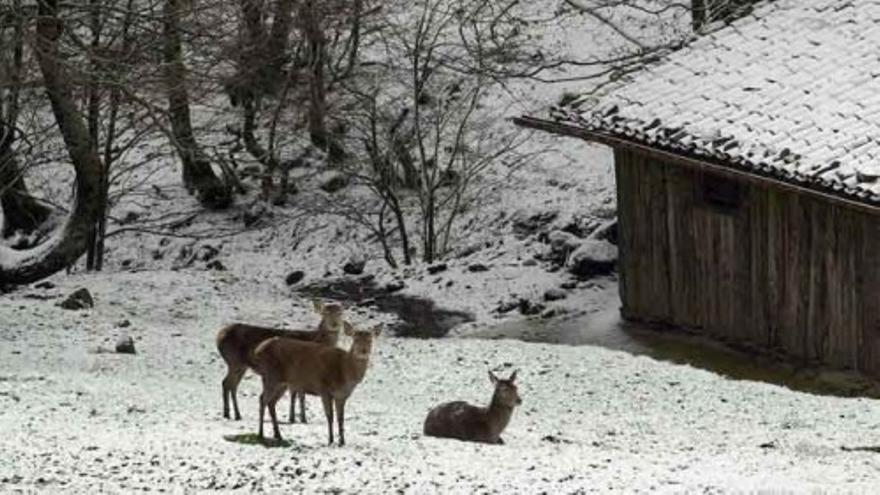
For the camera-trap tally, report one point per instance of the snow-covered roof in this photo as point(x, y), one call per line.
point(790, 91)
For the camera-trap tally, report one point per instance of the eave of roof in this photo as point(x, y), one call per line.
point(763, 176)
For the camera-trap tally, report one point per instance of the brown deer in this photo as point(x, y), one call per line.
point(328, 372)
point(237, 342)
point(470, 423)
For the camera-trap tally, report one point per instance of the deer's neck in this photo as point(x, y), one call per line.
point(329, 332)
point(356, 367)
point(326, 326)
point(498, 415)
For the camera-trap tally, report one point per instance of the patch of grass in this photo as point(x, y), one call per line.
point(254, 439)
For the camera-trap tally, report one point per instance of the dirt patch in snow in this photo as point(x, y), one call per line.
point(417, 316)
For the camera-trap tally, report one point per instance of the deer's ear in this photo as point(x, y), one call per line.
point(377, 330)
point(318, 306)
point(493, 378)
point(512, 376)
point(348, 328)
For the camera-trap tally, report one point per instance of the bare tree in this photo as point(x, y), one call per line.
point(420, 134)
point(41, 261)
point(198, 175)
point(21, 212)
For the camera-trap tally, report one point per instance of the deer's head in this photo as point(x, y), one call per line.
point(505, 390)
point(362, 340)
point(331, 314)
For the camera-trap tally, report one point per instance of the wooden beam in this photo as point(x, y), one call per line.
point(715, 167)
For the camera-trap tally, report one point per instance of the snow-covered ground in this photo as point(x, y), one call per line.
point(73, 419)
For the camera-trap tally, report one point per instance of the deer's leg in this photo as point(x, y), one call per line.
point(292, 417)
point(340, 420)
point(276, 394)
point(236, 379)
point(328, 411)
point(302, 407)
point(226, 387)
point(262, 408)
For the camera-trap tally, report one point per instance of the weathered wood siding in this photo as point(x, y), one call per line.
point(784, 271)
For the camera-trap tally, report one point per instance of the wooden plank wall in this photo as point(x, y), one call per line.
point(785, 271)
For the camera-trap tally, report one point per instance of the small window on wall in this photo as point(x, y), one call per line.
point(720, 193)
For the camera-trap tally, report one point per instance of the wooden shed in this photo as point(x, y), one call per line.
point(746, 167)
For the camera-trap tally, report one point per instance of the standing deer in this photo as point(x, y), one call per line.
point(237, 342)
point(328, 372)
point(470, 423)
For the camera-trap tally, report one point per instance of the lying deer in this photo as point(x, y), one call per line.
point(237, 342)
point(463, 421)
point(328, 372)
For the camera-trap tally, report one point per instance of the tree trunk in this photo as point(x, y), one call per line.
point(128, 40)
point(316, 44)
point(252, 53)
point(93, 98)
point(698, 14)
point(276, 46)
point(22, 267)
point(198, 176)
point(20, 210)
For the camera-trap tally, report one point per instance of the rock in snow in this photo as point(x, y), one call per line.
point(354, 266)
point(295, 277)
point(592, 258)
point(526, 223)
point(606, 232)
point(561, 245)
point(125, 345)
point(79, 299)
point(334, 183)
point(435, 269)
point(554, 294)
point(478, 267)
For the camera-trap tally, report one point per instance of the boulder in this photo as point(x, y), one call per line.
point(125, 345)
point(554, 294)
point(334, 183)
point(478, 267)
point(561, 245)
point(579, 225)
point(79, 299)
point(507, 306)
point(527, 307)
point(294, 277)
point(439, 267)
point(592, 258)
point(606, 232)
point(354, 266)
point(206, 252)
point(216, 265)
point(527, 223)
point(394, 286)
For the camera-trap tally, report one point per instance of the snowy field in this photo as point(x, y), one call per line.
point(73, 419)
